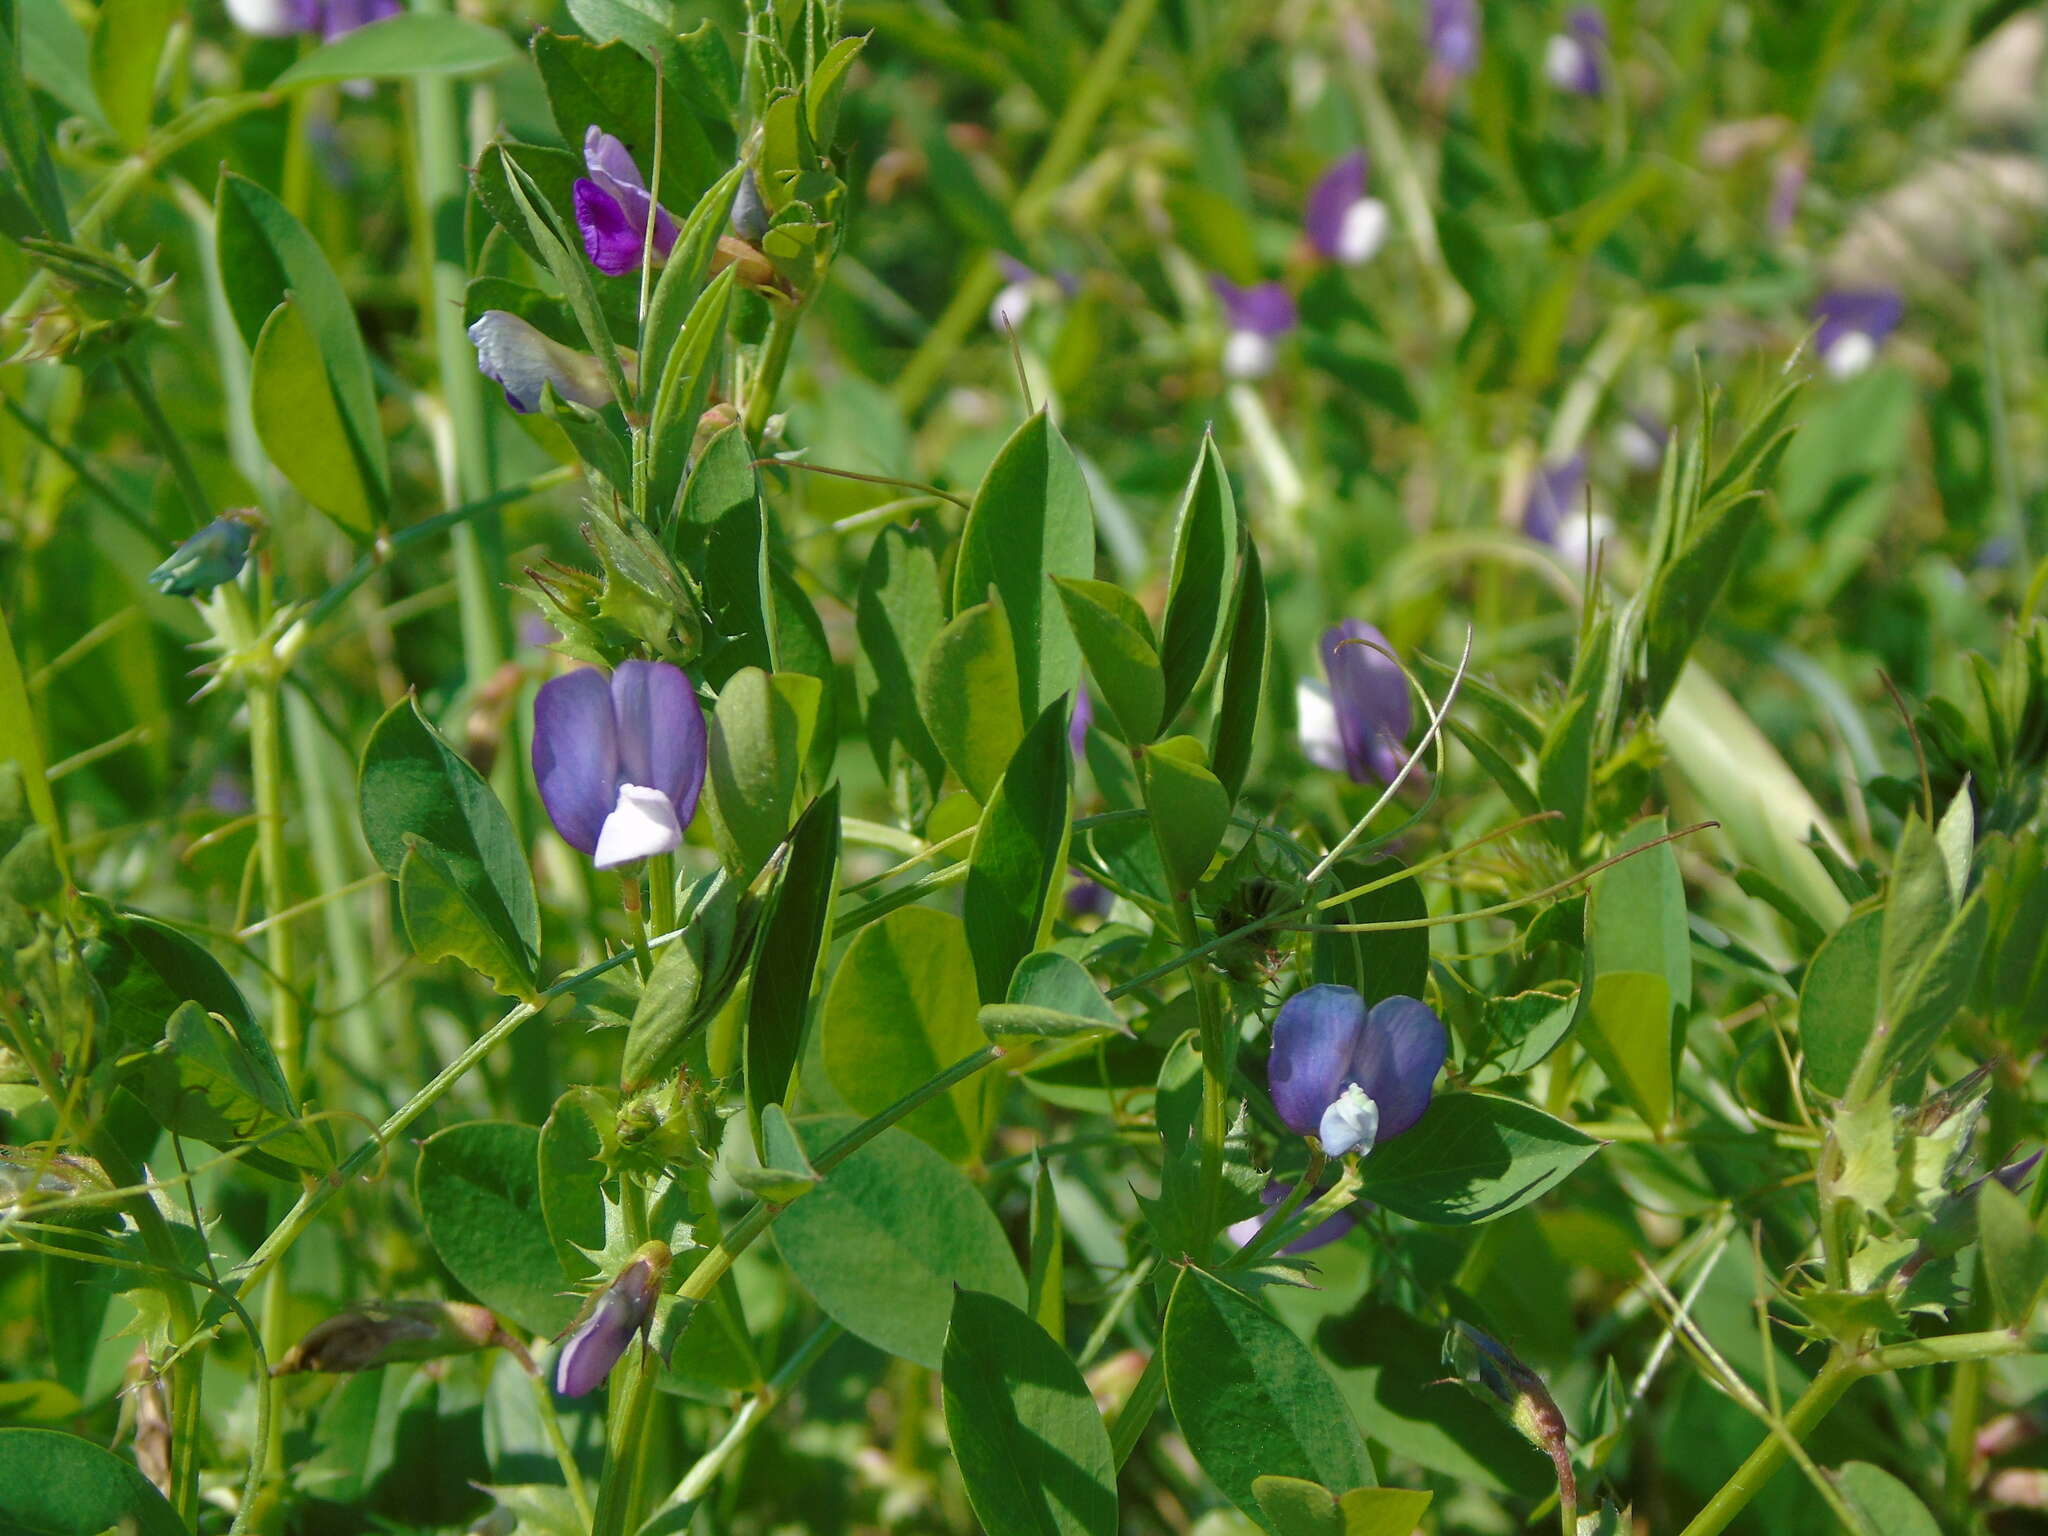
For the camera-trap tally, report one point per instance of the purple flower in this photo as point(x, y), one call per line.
point(1079, 721)
point(612, 208)
point(1573, 60)
point(1086, 897)
point(1555, 497)
point(1343, 223)
point(1349, 1077)
point(1788, 186)
point(597, 1339)
point(292, 18)
point(1640, 439)
point(619, 760)
point(1853, 324)
point(514, 355)
point(1321, 1235)
point(1257, 317)
point(1357, 724)
point(1454, 35)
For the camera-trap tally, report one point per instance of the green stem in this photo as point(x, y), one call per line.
point(1138, 1410)
point(1217, 1061)
point(167, 440)
point(698, 1480)
point(614, 1512)
point(1748, 1480)
point(768, 376)
point(1107, 74)
point(1966, 1403)
point(551, 1422)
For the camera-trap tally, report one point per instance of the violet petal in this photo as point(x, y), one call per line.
point(661, 732)
point(610, 239)
point(576, 755)
point(1330, 202)
point(1314, 1039)
point(1369, 694)
point(1399, 1053)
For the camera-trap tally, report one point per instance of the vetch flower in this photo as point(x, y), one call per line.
point(1257, 317)
point(1854, 323)
point(750, 216)
point(612, 208)
point(1454, 36)
point(376, 1333)
point(292, 18)
point(517, 357)
point(1357, 724)
point(619, 760)
point(1555, 513)
point(1640, 439)
point(1079, 721)
point(211, 557)
point(1573, 58)
point(597, 1339)
point(1350, 1077)
point(1343, 222)
point(1321, 1235)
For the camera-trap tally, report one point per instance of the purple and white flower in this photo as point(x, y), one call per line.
point(1321, 1235)
point(1854, 323)
point(620, 760)
point(1256, 318)
point(1357, 723)
point(1555, 512)
point(613, 208)
point(517, 357)
point(1575, 59)
point(1454, 36)
point(618, 1313)
point(1350, 1076)
point(294, 18)
point(1344, 223)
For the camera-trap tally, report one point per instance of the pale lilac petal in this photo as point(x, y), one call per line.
point(1874, 313)
point(1079, 721)
point(611, 164)
point(589, 1354)
point(642, 825)
point(1314, 1039)
point(576, 755)
point(661, 732)
point(1330, 202)
point(1554, 497)
point(521, 360)
point(1321, 1235)
point(343, 16)
point(1370, 696)
point(1399, 1052)
point(1264, 309)
point(1454, 35)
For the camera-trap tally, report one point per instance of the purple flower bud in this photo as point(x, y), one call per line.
point(1573, 60)
point(514, 355)
point(612, 208)
point(1079, 721)
point(1358, 723)
point(379, 1333)
point(1342, 222)
point(1556, 496)
point(292, 18)
point(1086, 897)
point(1257, 317)
point(1350, 1077)
point(1321, 1235)
point(620, 761)
point(597, 1339)
point(1454, 35)
point(1853, 325)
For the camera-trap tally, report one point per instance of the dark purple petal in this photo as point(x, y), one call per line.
point(1554, 495)
point(1264, 309)
point(1874, 312)
point(576, 755)
point(1085, 898)
point(1314, 1039)
point(1321, 1235)
point(660, 732)
point(612, 168)
point(1330, 200)
point(610, 239)
point(1370, 697)
point(1399, 1053)
point(1454, 35)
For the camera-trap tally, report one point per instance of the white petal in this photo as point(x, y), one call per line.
point(1851, 353)
point(1315, 719)
point(1248, 355)
point(522, 359)
point(268, 18)
point(1011, 306)
point(1564, 62)
point(1352, 1124)
point(1574, 538)
point(642, 825)
point(1363, 232)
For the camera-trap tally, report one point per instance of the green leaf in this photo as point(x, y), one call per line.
point(884, 1242)
point(783, 1172)
point(1051, 997)
point(794, 924)
point(127, 46)
point(722, 533)
point(1116, 638)
point(31, 199)
point(1885, 1506)
point(53, 1483)
point(1838, 1001)
point(414, 45)
point(1638, 989)
point(698, 63)
point(899, 612)
point(1204, 579)
point(548, 230)
point(678, 289)
point(1937, 988)
point(1017, 871)
point(1685, 588)
point(613, 85)
point(2015, 1255)
point(693, 978)
point(202, 1081)
point(686, 379)
point(1917, 907)
point(19, 729)
point(900, 1010)
point(571, 1176)
point(302, 426)
point(478, 1185)
point(1026, 1433)
point(417, 791)
point(1045, 1281)
point(969, 699)
point(445, 921)
point(760, 733)
point(1298, 1507)
point(1244, 678)
point(1190, 810)
point(1473, 1157)
point(1391, 963)
point(1251, 1399)
point(1564, 769)
point(1031, 519)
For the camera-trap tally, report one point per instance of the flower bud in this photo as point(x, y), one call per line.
point(211, 557)
point(599, 1336)
point(387, 1332)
